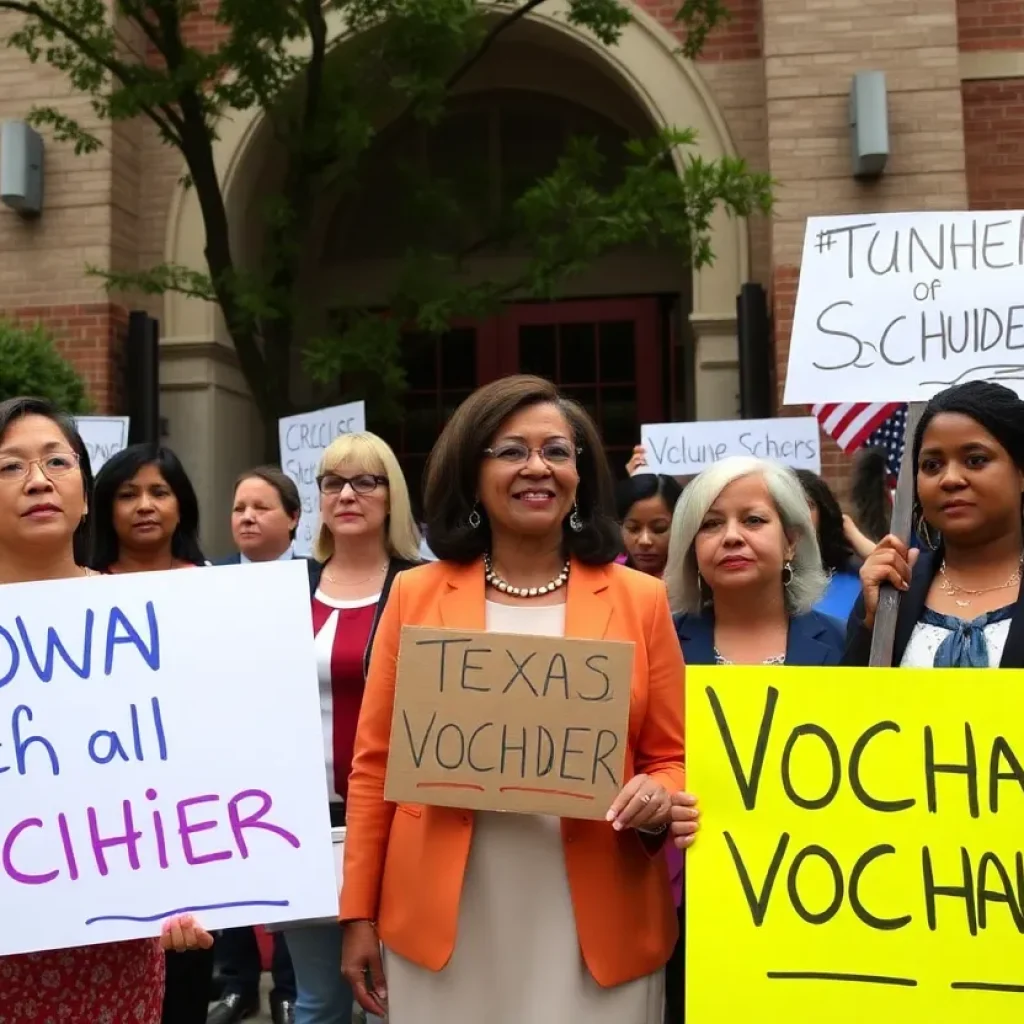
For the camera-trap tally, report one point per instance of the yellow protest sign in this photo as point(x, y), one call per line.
point(860, 856)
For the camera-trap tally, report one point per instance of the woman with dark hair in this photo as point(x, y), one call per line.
point(45, 491)
point(146, 519)
point(838, 557)
point(644, 504)
point(146, 515)
point(961, 606)
point(511, 917)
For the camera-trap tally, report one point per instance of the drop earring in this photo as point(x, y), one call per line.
point(474, 519)
point(575, 523)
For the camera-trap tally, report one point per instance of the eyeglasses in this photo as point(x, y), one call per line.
point(364, 483)
point(54, 466)
point(554, 453)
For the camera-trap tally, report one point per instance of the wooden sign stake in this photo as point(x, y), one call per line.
point(883, 637)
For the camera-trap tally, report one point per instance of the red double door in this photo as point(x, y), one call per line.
point(608, 354)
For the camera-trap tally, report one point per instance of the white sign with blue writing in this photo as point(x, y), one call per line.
point(684, 449)
point(302, 440)
point(124, 800)
point(896, 307)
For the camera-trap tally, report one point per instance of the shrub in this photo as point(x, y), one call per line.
point(31, 365)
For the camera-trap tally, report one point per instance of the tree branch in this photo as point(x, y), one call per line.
point(124, 73)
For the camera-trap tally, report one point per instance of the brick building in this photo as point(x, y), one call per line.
point(771, 86)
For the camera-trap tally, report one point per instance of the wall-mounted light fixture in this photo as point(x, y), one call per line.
point(21, 168)
point(869, 124)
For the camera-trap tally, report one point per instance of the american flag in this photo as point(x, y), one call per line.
point(869, 425)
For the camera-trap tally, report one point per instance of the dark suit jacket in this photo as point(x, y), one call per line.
point(813, 639)
point(912, 603)
point(396, 566)
point(313, 567)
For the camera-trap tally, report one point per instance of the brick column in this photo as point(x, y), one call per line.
point(811, 52)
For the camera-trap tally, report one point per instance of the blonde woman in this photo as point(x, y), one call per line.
point(366, 536)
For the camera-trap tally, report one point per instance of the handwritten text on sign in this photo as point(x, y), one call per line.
point(104, 436)
point(493, 721)
point(860, 855)
point(897, 307)
point(302, 440)
point(684, 449)
point(119, 803)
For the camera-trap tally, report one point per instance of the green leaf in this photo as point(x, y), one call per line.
point(31, 365)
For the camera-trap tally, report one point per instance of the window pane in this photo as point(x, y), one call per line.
point(419, 356)
point(619, 414)
point(587, 397)
point(458, 358)
point(618, 351)
point(420, 421)
point(537, 350)
point(579, 354)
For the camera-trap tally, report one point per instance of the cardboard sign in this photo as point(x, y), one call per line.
point(123, 801)
point(302, 440)
point(859, 857)
point(505, 722)
point(103, 436)
point(684, 449)
point(897, 307)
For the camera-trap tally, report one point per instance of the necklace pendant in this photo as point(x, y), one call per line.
point(963, 604)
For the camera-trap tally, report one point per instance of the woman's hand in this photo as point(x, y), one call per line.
point(891, 562)
point(862, 546)
point(685, 815)
point(362, 967)
point(180, 934)
point(637, 460)
point(643, 803)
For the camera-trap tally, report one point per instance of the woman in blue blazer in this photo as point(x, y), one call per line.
point(743, 575)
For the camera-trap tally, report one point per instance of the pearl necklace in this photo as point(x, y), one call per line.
point(494, 580)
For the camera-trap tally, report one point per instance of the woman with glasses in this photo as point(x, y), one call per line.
point(45, 493)
point(366, 536)
point(504, 918)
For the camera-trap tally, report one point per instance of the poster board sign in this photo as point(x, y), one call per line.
point(302, 440)
point(508, 722)
point(859, 854)
point(103, 436)
point(338, 842)
point(897, 307)
point(123, 800)
point(684, 449)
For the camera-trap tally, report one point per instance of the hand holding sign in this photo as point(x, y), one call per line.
point(890, 563)
point(685, 819)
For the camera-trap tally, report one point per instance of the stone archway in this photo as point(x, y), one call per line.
point(197, 355)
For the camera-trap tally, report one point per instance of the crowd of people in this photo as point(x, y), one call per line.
point(457, 916)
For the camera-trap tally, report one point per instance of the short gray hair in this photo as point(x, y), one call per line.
point(809, 578)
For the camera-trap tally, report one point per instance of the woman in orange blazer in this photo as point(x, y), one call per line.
point(497, 917)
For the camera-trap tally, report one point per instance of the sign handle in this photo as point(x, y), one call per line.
point(883, 637)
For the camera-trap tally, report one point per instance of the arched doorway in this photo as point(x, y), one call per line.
point(640, 322)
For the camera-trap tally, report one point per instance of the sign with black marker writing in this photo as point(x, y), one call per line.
point(897, 307)
point(302, 439)
point(104, 436)
point(684, 449)
point(861, 856)
point(122, 800)
point(507, 722)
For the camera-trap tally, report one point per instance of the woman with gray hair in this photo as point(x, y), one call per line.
point(743, 574)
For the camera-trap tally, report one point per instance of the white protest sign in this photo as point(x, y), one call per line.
point(684, 449)
point(103, 436)
point(897, 307)
point(303, 439)
point(122, 798)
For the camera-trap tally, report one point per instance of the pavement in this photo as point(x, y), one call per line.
point(263, 1017)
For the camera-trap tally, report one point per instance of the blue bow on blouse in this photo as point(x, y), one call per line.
point(964, 646)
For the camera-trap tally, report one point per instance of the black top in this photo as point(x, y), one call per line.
point(912, 604)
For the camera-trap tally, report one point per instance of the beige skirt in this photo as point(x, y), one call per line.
point(517, 957)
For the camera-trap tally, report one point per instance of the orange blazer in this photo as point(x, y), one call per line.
point(404, 863)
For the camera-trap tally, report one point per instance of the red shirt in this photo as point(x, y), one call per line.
point(342, 631)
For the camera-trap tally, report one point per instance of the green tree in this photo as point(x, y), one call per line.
point(31, 365)
point(325, 109)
